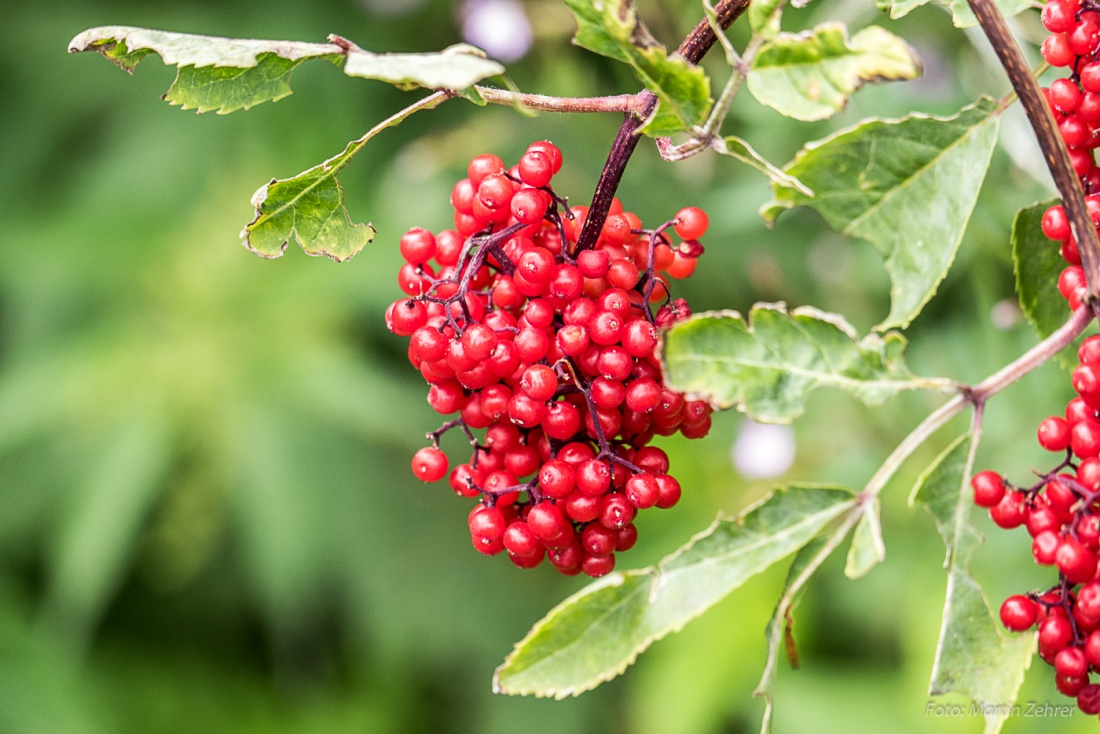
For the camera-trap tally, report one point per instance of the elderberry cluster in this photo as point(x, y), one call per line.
point(549, 349)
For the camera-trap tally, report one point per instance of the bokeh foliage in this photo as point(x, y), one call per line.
point(208, 522)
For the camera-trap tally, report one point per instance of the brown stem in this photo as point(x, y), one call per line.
point(693, 49)
point(1050, 141)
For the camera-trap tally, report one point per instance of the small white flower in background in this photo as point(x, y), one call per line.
point(500, 27)
point(1005, 314)
point(761, 450)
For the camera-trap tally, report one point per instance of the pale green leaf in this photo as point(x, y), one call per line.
point(769, 365)
point(611, 28)
point(780, 628)
point(961, 14)
point(222, 74)
point(310, 209)
point(811, 75)
point(227, 74)
point(974, 656)
point(907, 186)
point(735, 147)
point(456, 67)
point(867, 549)
point(732, 57)
point(310, 206)
point(1037, 263)
point(595, 634)
point(764, 17)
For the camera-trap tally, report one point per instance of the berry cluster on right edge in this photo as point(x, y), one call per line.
point(1061, 513)
point(1074, 44)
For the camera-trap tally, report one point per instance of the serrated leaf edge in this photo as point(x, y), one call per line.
point(618, 578)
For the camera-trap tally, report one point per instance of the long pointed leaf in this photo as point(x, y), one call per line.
point(974, 657)
point(595, 634)
point(227, 74)
point(907, 186)
point(769, 364)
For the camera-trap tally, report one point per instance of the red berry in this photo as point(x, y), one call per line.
point(1045, 547)
point(988, 488)
point(593, 263)
point(1076, 562)
point(547, 521)
point(1054, 434)
point(1018, 613)
point(481, 166)
point(429, 464)
point(1088, 699)
point(616, 511)
point(535, 168)
point(598, 539)
point(520, 539)
point(1054, 634)
point(529, 206)
point(1071, 663)
point(1059, 17)
point(556, 479)
point(1010, 512)
point(1065, 96)
point(596, 566)
point(1055, 224)
point(691, 223)
point(593, 477)
point(539, 382)
point(550, 150)
point(1056, 51)
point(642, 491)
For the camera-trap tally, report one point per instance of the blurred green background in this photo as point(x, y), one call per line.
point(207, 519)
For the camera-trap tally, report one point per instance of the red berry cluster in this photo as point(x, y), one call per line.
point(1062, 515)
point(1074, 44)
point(548, 348)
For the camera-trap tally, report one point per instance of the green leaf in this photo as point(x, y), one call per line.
point(781, 626)
point(611, 28)
point(961, 14)
point(973, 657)
point(310, 206)
point(222, 74)
point(595, 634)
point(227, 74)
point(764, 18)
point(769, 365)
point(457, 67)
point(735, 147)
point(867, 549)
point(1037, 263)
point(907, 186)
point(310, 209)
point(809, 76)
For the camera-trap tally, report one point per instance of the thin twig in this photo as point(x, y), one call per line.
point(978, 395)
point(623, 103)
